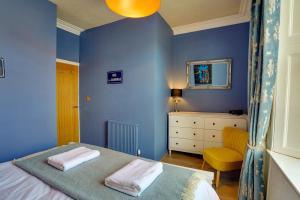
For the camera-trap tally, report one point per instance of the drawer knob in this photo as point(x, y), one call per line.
point(235, 125)
point(214, 123)
point(194, 145)
point(214, 136)
point(177, 132)
point(176, 143)
point(194, 122)
point(194, 133)
point(176, 121)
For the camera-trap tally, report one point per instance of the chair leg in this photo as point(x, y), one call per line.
point(203, 164)
point(218, 179)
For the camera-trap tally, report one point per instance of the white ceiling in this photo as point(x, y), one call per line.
point(87, 14)
point(182, 12)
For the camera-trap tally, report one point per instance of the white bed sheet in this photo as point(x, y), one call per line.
point(16, 184)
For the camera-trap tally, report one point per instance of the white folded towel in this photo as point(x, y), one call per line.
point(135, 177)
point(72, 158)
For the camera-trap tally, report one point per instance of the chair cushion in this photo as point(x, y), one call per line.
point(223, 159)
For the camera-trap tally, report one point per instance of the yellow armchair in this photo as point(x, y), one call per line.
point(230, 157)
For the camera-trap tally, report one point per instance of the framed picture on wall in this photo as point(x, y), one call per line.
point(115, 77)
point(209, 74)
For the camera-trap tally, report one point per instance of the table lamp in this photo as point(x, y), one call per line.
point(175, 93)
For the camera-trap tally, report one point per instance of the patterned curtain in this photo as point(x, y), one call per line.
point(263, 53)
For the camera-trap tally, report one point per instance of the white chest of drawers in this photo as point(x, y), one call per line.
point(193, 131)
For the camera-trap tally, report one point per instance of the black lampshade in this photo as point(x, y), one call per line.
point(176, 92)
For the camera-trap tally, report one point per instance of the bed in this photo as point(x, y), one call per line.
point(32, 178)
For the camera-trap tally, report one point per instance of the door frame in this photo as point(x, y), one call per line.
point(58, 60)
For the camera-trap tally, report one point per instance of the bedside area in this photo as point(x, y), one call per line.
point(191, 132)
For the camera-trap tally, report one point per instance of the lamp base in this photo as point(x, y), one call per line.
point(176, 101)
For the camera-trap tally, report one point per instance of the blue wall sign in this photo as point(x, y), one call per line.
point(115, 77)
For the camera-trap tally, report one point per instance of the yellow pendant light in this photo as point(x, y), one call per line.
point(133, 8)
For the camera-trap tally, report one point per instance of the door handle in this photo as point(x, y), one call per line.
point(75, 106)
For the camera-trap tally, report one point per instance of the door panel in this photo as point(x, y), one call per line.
point(286, 128)
point(67, 103)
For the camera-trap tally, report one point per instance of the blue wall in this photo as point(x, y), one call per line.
point(225, 42)
point(162, 76)
point(28, 93)
point(67, 45)
point(131, 45)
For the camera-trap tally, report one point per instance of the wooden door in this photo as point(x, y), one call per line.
point(67, 103)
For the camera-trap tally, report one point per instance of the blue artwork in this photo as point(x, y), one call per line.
point(202, 74)
point(115, 77)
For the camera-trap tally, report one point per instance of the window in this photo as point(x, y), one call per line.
point(286, 118)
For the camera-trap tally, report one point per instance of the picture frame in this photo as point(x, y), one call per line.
point(115, 77)
point(209, 74)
